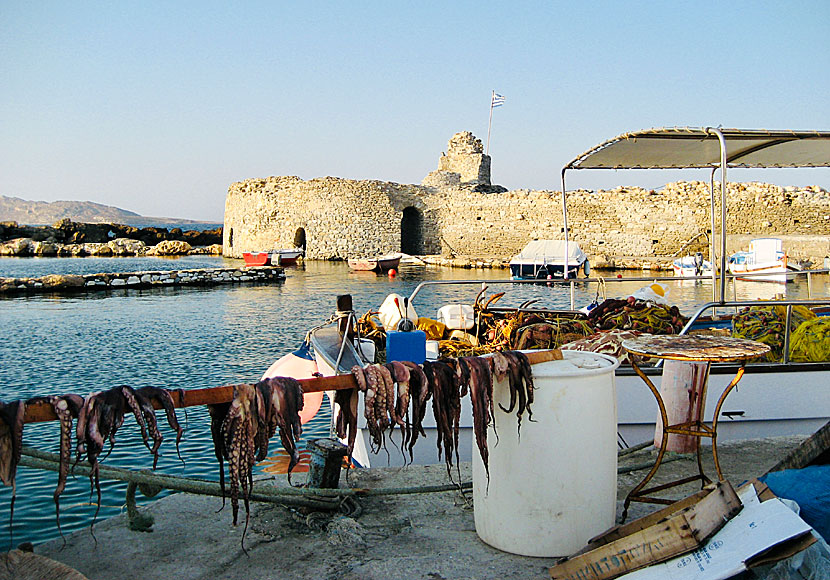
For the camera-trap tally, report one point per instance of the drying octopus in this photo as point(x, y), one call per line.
point(396, 394)
point(242, 428)
point(11, 442)
point(99, 416)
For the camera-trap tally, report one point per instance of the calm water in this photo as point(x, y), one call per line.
point(194, 338)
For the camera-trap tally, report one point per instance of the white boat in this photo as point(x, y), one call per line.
point(547, 259)
point(765, 261)
point(692, 266)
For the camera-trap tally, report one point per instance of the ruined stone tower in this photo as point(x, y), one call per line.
point(465, 158)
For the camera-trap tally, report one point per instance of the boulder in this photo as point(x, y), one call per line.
point(211, 250)
point(62, 281)
point(170, 248)
point(127, 247)
point(16, 247)
point(44, 249)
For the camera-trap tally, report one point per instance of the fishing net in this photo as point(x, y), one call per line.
point(765, 324)
point(811, 341)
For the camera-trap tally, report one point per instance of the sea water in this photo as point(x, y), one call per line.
point(202, 337)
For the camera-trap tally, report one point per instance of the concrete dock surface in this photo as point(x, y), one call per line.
point(424, 536)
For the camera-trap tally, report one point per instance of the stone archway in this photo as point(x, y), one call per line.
point(299, 238)
point(412, 231)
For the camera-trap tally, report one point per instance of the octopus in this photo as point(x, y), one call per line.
point(419, 394)
point(477, 373)
point(11, 442)
point(101, 415)
point(446, 407)
point(516, 367)
point(67, 408)
point(165, 399)
point(242, 428)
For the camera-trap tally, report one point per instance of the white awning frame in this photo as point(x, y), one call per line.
point(710, 148)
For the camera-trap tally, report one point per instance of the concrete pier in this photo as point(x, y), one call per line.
point(59, 283)
point(424, 536)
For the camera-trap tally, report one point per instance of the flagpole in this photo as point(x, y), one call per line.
point(490, 123)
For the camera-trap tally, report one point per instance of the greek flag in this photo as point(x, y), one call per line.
point(498, 100)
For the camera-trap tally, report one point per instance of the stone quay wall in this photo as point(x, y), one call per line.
point(134, 280)
point(456, 212)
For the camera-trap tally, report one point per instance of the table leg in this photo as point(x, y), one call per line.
point(663, 442)
point(721, 400)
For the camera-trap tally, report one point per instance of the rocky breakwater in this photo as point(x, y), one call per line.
point(58, 283)
point(69, 239)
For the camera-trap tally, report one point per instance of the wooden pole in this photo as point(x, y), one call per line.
point(42, 410)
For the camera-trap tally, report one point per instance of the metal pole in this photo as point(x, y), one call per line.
point(490, 122)
point(722, 141)
point(565, 226)
point(712, 251)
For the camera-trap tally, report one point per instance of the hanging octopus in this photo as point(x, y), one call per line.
point(11, 442)
point(242, 428)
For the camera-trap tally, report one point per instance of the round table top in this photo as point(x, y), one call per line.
point(694, 347)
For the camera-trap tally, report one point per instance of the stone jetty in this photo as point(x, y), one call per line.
point(53, 283)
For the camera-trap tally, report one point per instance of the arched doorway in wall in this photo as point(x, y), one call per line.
point(299, 239)
point(412, 232)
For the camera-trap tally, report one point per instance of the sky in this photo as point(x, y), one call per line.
point(157, 107)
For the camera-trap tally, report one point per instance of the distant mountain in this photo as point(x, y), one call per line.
point(46, 213)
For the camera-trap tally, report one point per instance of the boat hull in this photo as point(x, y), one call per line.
point(275, 258)
point(256, 258)
point(381, 264)
point(687, 267)
point(531, 271)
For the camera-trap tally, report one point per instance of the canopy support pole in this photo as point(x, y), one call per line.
point(565, 228)
point(713, 255)
point(723, 162)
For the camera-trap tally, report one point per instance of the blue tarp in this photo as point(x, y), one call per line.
point(810, 489)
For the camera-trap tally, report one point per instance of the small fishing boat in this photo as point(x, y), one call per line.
point(765, 256)
point(256, 258)
point(286, 257)
point(692, 266)
point(546, 259)
point(376, 264)
point(283, 257)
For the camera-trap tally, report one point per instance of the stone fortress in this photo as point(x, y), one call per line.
point(457, 212)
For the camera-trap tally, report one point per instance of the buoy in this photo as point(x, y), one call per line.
point(299, 364)
point(392, 273)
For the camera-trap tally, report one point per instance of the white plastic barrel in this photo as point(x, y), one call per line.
point(552, 486)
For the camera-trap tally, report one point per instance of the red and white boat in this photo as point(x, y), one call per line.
point(284, 257)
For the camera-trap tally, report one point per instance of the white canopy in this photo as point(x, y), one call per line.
point(549, 252)
point(700, 147)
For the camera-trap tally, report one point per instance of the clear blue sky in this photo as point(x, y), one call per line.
point(157, 107)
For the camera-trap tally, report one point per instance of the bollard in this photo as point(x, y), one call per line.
point(324, 466)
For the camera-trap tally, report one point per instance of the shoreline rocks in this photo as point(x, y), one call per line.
point(21, 247)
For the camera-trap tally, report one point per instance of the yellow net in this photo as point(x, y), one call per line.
point(811, 341)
